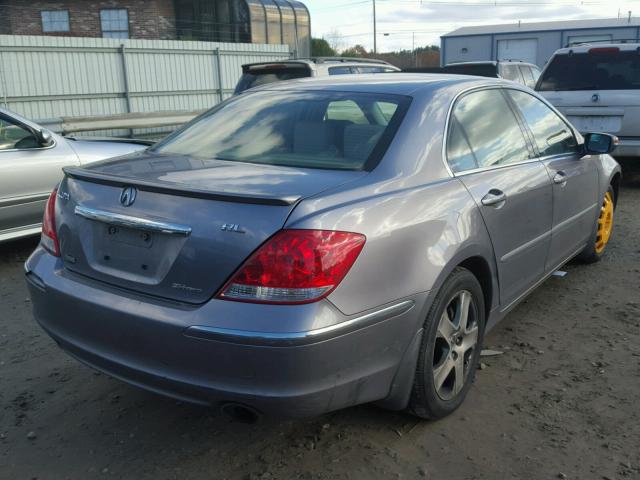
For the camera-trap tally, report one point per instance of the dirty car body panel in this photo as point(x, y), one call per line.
point(169, 328)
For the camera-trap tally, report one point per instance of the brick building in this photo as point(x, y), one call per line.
point(249, 21)
point(150, 19)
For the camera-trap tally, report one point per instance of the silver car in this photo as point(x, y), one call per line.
point(263, 73)
point(597, 87)
point(31, 161)
point(322, 243)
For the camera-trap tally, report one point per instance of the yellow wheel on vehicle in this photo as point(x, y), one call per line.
point(605, 223)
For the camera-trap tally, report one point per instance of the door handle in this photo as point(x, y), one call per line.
point(495, 198)
point(560, 178)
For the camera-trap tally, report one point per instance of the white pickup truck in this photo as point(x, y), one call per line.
point(597, 87)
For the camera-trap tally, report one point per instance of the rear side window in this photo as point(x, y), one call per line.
point(552, 135)
point(480, 69)
point(340, 71)
point(529, 77)
point(601, 69)
point(328, 130)
point(484, 121)
point(371, 69)
point(510, 72)
point(256, 77)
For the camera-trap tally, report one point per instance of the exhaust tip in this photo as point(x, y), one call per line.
point(240, 413)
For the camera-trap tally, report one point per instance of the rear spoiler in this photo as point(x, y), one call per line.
point(173, 189)
point(135, 141)
point(274, 65)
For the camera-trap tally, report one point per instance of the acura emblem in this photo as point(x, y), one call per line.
point(595, 98)
point(128, 196)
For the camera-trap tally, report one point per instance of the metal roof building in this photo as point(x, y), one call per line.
point(531, 42)
point(285, 22)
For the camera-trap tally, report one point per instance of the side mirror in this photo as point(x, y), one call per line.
point(45, 138)
point(599, 143)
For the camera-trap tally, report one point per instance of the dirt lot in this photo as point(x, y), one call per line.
point(561, 402)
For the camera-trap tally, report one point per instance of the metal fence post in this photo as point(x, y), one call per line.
point(3, 84)
point(219, 68)
point(125, 77)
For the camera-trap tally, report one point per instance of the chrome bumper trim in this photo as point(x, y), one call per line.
point(277, 339)
point(131, 222)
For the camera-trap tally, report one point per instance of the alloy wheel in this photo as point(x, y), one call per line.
point(455, 345)
point(605, 223)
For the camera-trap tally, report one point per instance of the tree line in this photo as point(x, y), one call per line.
point(428, 56)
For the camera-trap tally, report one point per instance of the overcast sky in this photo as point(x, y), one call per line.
point(348, 22)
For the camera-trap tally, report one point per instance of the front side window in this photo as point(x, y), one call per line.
point(114, 23)
point(552, 135)
point(55, 20)
point(484, 132)
point(15, 137)
point(329, 130)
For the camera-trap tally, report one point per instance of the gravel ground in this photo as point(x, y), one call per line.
point(561, 402)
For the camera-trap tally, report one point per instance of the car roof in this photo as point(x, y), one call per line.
point(479, 62)
point(585, 47)
point(324, 61)
point(489, 62)
point(408, 84)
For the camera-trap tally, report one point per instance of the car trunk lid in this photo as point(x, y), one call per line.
point(611, 111)
point(175, 227)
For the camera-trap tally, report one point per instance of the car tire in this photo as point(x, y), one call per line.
point(603, 227)
point(449, 347)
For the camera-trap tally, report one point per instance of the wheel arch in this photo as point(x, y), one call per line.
point(615, 184)
point(480, 269)
point(476, 260)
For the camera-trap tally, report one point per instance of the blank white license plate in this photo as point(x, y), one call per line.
point(595, 123)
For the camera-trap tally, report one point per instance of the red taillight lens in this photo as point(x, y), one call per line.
point(49, 237)
point(603, 50)
point(295, 266)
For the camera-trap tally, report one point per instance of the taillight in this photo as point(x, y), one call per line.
point(49, 237)
point(295, 266)
point(604, 50)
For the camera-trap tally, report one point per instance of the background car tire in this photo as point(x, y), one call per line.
point(592, 253)
point(427, 400)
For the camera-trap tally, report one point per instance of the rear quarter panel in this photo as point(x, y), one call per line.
point(420, 223)
point(415, 237)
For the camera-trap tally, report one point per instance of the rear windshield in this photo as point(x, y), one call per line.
point(264, 76)
point(329, 130)
point(592, 71)
point(480, 70)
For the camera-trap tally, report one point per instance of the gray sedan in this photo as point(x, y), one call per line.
point(317, 244)
point(31, 161)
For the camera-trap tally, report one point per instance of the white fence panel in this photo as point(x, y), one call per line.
point(49, 77)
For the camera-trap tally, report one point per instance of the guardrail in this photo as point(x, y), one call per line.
point(128, 121)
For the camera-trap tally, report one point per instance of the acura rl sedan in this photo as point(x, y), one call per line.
point(316, 244)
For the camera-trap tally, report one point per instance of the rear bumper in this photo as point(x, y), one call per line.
point(191, 353)
point(628, 147)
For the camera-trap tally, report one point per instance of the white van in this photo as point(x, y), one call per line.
point(597, 87)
